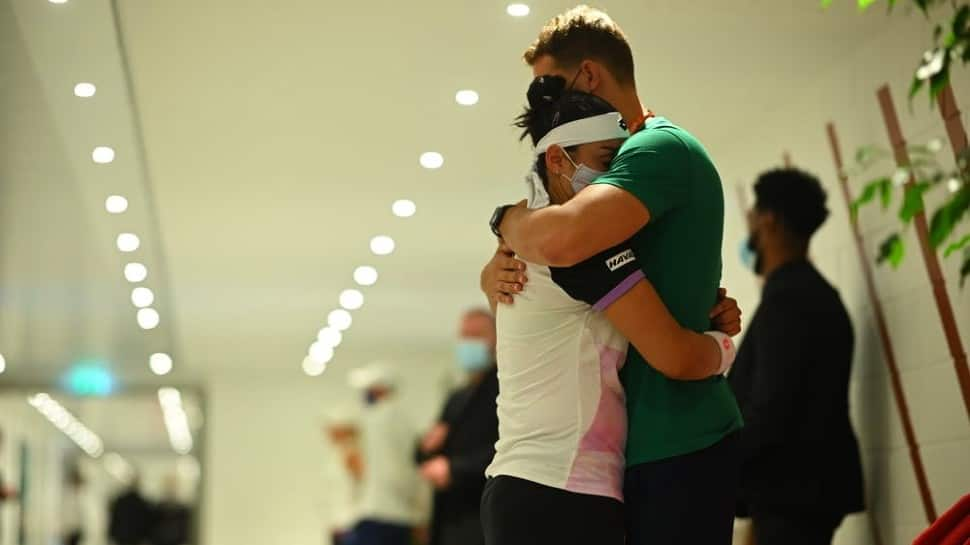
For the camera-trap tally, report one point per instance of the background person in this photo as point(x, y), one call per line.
point(453, 455)
point(801, 471)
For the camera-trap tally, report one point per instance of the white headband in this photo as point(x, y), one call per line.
point(583, 131)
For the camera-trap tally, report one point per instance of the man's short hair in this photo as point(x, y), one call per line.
point(584, 33)
point(796, 197)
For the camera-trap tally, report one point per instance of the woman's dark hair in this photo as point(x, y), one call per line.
point(551, 105)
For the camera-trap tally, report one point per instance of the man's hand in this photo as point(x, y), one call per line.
point(435, 438)
point(726, 315)
point(437, 471)
point(503, 276)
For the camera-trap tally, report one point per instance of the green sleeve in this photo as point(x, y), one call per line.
point(654, 169)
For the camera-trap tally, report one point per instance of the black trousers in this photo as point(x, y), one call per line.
point(794, 529)
point(520, 512)
point(687, 499)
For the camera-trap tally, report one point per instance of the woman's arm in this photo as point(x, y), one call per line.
point(678, 353)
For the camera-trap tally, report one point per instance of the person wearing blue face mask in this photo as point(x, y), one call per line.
point(453, 455)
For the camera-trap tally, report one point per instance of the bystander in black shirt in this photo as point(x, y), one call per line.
point(791, 380)
point(470, 413)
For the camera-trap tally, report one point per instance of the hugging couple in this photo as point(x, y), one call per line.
point(616, 424)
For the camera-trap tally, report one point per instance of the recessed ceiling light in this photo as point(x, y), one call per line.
point(85, 90)
point(330, 337)
point(148, 318)
point(3, 364)
point(312, 368)
point(431, 159)
point(128, 242)
point(382, 245)
point(57, 1)
point(135, 272)
point(404, 208)
point(351, 299)
point(365, 275)
point(340, 320)
point(160, 363)
point(142, 297)
point(466, 97)
point(517, 10)
point(116, 204)
point(103, 155)
point(321, 353)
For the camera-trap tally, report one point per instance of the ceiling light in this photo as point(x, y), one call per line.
point(3, 364)
point(116, 204)
point(160, 363)
point(340, 320)
point(351, 299)
point(135, 272)
point(57, 1)
point(85, 90)
point(142, 297)
point(103, 155)
point(466, 97)
point(128, 242)
point(432, 160)
point(404, 208)
point(148, 318)
point(321, 353)
point(382, 245)
point(330, 337)
point(313, 368)
point(365, 275)
point(517, 10)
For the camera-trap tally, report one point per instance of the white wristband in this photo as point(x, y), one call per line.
point(728, 351)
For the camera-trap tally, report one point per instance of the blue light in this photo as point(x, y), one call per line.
point(89, 378)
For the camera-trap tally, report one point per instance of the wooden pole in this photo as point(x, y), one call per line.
point(883, 330)
point(951, 119)
point(930, 258)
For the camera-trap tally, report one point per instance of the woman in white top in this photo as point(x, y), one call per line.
point(557, 476)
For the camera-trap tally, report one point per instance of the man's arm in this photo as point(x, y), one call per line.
point(678, 353)
point(597, 218)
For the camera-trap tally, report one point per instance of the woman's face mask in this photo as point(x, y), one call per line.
point(582, 176)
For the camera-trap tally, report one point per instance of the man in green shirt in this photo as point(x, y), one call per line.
point(663, 191)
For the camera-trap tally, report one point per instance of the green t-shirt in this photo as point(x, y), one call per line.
point(680, 253)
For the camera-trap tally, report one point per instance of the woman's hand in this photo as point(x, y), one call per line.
point(503, 276)
point(726, 314)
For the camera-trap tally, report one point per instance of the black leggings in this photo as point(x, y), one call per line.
point(520, 512)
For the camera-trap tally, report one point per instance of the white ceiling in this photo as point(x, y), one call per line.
point(276, 136)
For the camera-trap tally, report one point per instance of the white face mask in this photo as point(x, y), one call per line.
point(583, 176)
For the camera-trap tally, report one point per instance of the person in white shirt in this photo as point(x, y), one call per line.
point(392, 495)
point(557, 476)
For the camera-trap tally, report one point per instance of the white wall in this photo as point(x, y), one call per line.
point(846, 95)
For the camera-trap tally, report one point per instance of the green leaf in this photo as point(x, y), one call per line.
point(868, 194)
point(885, 192)
point(913, 201)
point(915, 87)
point(957, 246)
point(826, 3)
point(959, 24)
point(864, 4)
point(939, 80)
point(948, 216)
point(923, 6)
point(891, 250)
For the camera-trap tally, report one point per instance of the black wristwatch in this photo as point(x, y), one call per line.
point(497, 218)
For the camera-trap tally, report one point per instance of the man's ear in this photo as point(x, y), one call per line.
point(554, 160)
point(592, 73)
